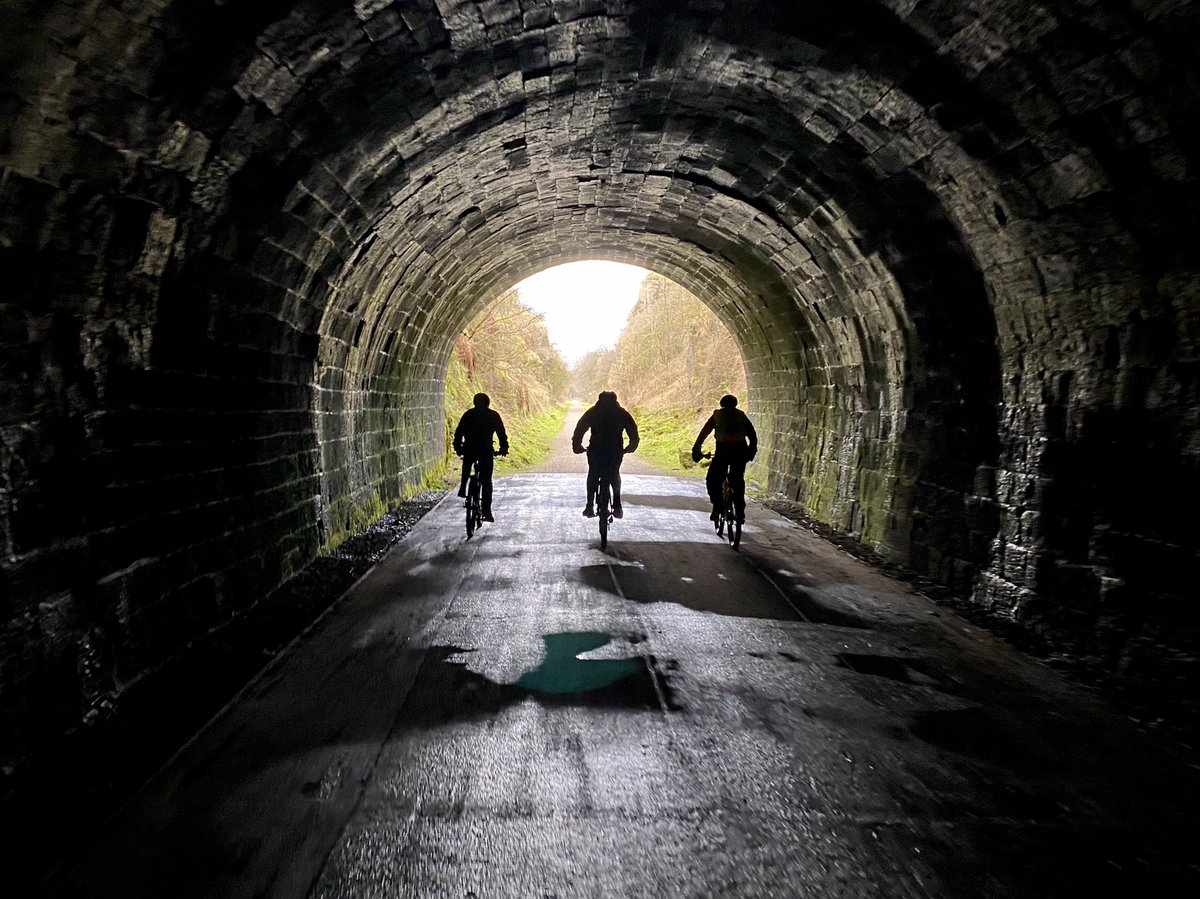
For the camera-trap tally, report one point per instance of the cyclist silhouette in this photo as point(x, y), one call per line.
point(473, 441)
point(608, 422)
point(737, 444)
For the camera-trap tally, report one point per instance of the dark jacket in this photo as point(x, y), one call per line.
point(607, 422)
point(473, 436)
point(733, 431)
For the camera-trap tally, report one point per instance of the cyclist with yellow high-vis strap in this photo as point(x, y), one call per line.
point(737, 443)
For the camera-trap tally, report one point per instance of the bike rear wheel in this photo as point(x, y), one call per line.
point(604, 512)
point(474, 512)
point(733, 529)
point(725, 526)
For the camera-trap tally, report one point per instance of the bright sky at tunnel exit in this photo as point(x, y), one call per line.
point(585, 304)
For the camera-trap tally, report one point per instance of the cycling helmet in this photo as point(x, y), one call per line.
point(728, 401)
point(482, 401)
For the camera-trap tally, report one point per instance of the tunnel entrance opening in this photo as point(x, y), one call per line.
point(669, 363)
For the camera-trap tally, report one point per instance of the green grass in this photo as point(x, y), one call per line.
point(667, 438)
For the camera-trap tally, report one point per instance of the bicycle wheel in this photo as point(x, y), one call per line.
point(474, 515)
point(603, 513)
point(725, 519)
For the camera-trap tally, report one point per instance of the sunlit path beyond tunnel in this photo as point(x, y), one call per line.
point(523, 715)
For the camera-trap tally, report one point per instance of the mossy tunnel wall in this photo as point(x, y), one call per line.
point(951, 238)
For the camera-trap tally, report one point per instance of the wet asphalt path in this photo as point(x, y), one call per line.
point(523, 715)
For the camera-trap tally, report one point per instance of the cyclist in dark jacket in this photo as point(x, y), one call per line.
point(473, 441)
point(608, 422)
point(737, 444)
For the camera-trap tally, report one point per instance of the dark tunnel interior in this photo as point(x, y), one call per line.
point(955, 242)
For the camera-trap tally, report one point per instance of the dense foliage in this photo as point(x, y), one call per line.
point(506, 353)
point(591, 373)
point(674, 354)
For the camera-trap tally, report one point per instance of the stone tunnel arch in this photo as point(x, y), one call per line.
point(839, 413)
point(858, 481)
point(956, 242)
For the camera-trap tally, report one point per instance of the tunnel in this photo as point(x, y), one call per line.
point(954, 241)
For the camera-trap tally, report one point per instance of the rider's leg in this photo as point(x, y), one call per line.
point(486, 465)
point(593, 480)
point(466, 473)
point(713, 481)
point(614, 478)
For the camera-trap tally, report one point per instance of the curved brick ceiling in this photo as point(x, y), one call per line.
point(693, 152)
point(954, 240)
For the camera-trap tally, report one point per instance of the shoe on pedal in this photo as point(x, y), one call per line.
point(715, 516)
point(617, 511)
point(589, 512)
point(487, 516)
point(462, 493)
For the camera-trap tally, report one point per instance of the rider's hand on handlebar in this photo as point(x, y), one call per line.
point(696, 454)
point(503, 452)
point(577, 448)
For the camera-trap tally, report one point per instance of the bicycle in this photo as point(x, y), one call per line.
point(474, 503)
point(727, 524)
point(604, 497)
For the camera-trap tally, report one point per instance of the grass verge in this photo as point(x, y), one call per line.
point(667, 438)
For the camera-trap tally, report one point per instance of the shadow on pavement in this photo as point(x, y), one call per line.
point(701, 576)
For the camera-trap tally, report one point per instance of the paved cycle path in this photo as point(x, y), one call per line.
point(522, 714)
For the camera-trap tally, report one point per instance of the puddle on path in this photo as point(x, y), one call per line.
point(562, 671)
point(449, 690)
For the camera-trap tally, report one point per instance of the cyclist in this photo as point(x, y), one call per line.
point(608, 422)
point(473, 441)
point(737, 444)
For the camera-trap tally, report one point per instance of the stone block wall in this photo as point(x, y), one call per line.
point(955, 243)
